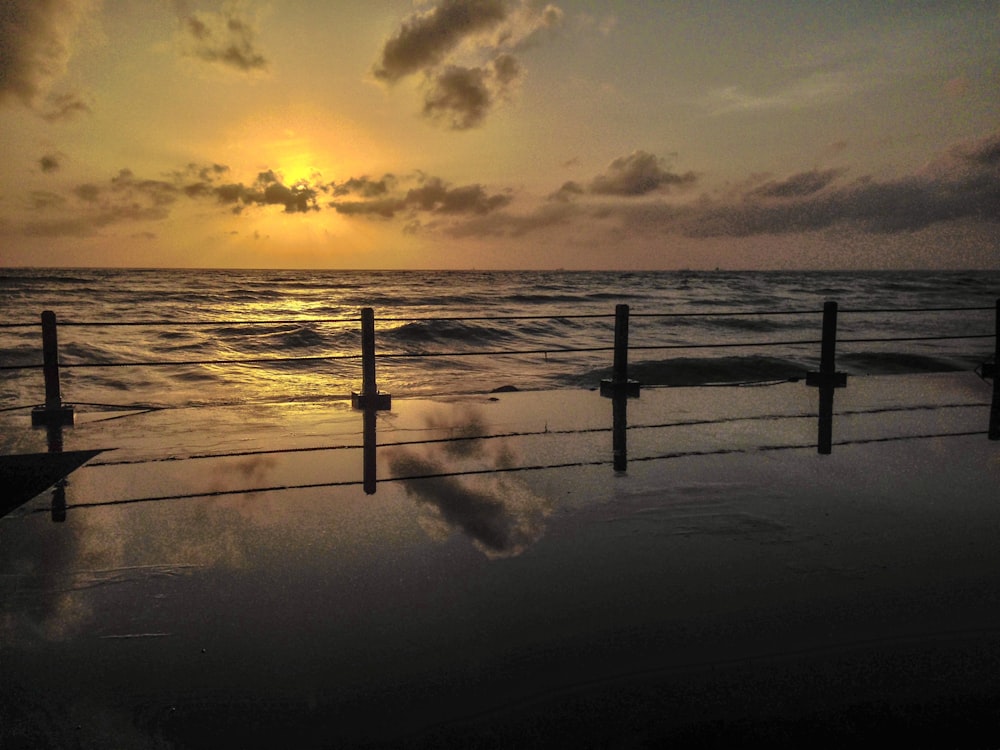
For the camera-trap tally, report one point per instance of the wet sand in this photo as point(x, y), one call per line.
point(222, 578)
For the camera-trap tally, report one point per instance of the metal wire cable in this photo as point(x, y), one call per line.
point(504, 470)
point(182, 323)
point(500, 352)
point(182, 362)
point(524, 433)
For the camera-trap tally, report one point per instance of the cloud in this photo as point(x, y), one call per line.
point(86, 225)
point(801, 184)
point(436, 196)
point(462, 97)
point(464, 51)
point(267, 190)
point(88, 192)
point(506, 224)
point(638, 173)
point(364, 186)
point(227, 38)
point(568, 191)
point(636, 195)
point(36, 44)
point(962, 184)
point(89, 207)
point(433, 195)
point(50, 163)
point(424, 39)
point(44, 199)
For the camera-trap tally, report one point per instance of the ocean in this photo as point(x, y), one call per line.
point(216, 337)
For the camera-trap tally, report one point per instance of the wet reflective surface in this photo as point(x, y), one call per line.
point(221, 577)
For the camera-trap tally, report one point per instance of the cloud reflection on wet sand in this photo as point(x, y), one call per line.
point(499, 513)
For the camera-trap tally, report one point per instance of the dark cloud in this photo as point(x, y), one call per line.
point(363, 186)
point(36, 39)
point(267, 190)
point(424, 39)
point(432, 195)
point(224, 38)
point(41, 200)
point(468, 199)
point(50, 163)
point(638, 173)
point(568, 191)
point(462, 97)
point(156, 192)
point(199, 180)
point(385, 197)
point(87, 192)
point(463, 49)
point(980, 154)
point(385, 208)
point(804, 183)
point(962, 184)
point(459, 97)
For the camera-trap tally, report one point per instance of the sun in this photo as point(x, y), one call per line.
point(296, 163)
point(305, 146)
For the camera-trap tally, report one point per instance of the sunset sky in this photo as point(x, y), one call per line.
point(500, 134)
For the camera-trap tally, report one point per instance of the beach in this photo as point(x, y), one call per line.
point(221, 576)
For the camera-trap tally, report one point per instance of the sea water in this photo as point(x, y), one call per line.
point(189, 337)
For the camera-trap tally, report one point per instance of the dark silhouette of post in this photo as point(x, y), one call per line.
point(54, 436)
point(994, 433)
point(827, 379)
point(369, 452)
point(619, 389)
point(369, 400)
point(53, 411)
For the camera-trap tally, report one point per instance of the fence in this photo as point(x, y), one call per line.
point(54, 413)
point(826, 380)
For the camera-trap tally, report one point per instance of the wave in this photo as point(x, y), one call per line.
point(694, 371)
point(901, 363)
point(688, 371)
point(227, 296)
point(19, 355)
point(441, 331)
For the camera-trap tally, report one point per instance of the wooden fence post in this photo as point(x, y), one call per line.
point(827, 379)
point(53, 412)
point(370, 400)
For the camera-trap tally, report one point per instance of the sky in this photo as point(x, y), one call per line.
point(500, 134)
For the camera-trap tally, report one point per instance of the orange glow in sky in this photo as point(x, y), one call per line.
point(507, 134)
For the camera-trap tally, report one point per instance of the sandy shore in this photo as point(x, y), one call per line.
point(222, 577)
